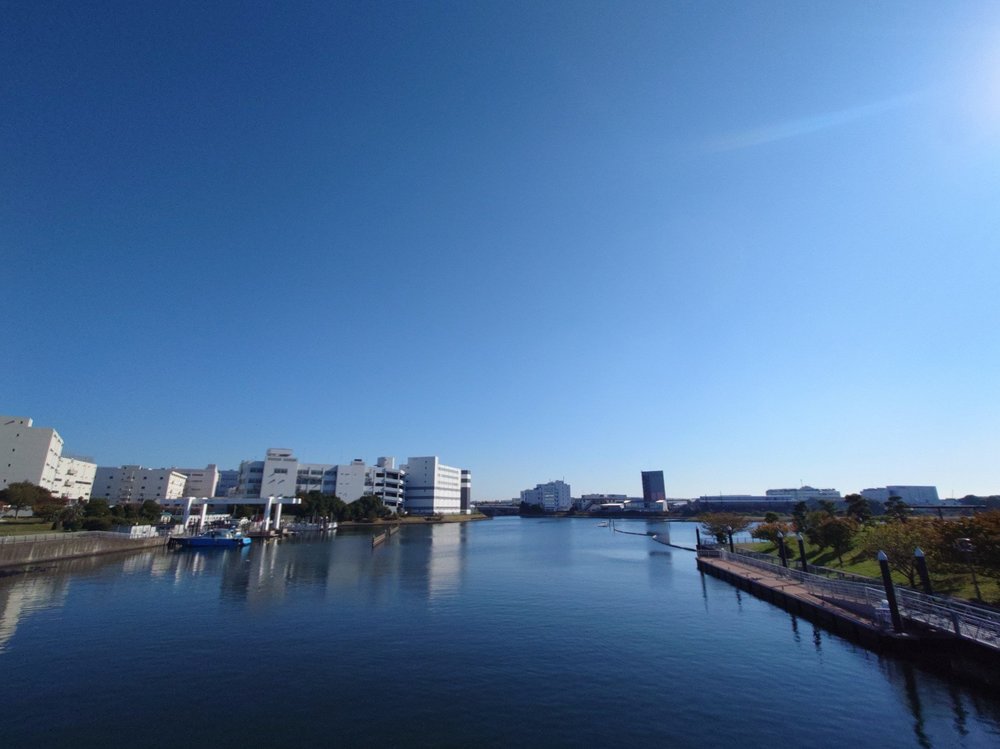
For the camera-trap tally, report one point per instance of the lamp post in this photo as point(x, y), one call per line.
point(729, 530)
point(966, 549)
point(781, 550)
point(802, 552)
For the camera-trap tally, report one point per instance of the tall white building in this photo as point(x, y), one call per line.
point(133, 483)
point(432, 487)
point(551, 497)
point(30, 453)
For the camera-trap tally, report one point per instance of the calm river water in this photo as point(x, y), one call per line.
point(510, 632)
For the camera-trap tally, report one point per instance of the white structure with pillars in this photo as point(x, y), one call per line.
point(269, 503)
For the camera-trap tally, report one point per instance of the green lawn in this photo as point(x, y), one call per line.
point(957, 585)
point(23, 526)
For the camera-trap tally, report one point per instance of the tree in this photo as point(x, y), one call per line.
point(150, 511)
point(799, 513)
point(858, 508)
point(769, 531)
point(899, 541)
point(22, 494)
point(897, 509)
point(771, 517)
point(97, 508)
point(720, 524)
point(828, 506)
point(49, 509)
point(838, 534)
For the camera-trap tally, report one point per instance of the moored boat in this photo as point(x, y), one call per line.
point(221, 537)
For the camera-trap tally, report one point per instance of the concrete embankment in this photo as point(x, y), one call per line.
point(18, 551)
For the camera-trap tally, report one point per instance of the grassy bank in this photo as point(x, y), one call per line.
point(23, 527)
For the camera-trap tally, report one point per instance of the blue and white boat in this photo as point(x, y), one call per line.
point(220, 537)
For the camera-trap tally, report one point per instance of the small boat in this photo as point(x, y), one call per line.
point(221, 537)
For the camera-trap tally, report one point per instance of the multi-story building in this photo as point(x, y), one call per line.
point(228, 481)
point(348, 481)
point(34, 454)
point(432, 487)
point(551, 497)
point(132, 483)
point(912, 495)
point(653, 489)
point(803, 494)
point(201, 482)
point(75, 477)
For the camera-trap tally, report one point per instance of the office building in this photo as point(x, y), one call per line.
point(431, 487)
point(201, 482)
point(912, 495)
point(551, 497)
point(653, 489)
point(133, 483)
point(35, 454)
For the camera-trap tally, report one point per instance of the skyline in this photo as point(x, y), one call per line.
point(744, 244)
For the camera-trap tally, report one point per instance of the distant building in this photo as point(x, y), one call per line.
point(593, 501)
point(653, 489)
point(34, 454)
point(803, 494)
point(432, 487)
point(912, 495)
point(201, 482)
point(551, 497)
point(133, 483)
point(228, 481)
point(281, 474)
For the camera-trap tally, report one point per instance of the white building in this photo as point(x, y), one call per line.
point(132, 483)
point(74, 477)
point(30, 453)
point(201, 482)
point(432, 487)
point(802, 494)
point(552, 497)
point(912, 495)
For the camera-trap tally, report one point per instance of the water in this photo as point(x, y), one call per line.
point(519, 632)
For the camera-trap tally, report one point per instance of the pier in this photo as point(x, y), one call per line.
point(950, 635)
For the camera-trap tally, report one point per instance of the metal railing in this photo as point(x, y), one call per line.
point(962, 619)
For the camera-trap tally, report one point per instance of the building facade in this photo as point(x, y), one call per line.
point(653, 488)
point(201, 482)
point(75, 477)
point(912, 495)
point(35, 454)
point(553, 496)
point(432, 487)
point(132, 483)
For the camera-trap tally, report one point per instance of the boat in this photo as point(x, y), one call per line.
point(218, 538)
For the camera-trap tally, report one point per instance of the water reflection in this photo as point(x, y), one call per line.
point(25, 596)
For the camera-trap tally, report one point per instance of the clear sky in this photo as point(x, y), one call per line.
point(745, 243)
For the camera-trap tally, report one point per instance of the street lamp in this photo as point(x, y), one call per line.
point(781, 549)
point(729, 530)
point(966, 548)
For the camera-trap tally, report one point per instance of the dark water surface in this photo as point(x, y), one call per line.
point(502, 633)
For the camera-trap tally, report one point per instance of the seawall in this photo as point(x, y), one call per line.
point(18, 551)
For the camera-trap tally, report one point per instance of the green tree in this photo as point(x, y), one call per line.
point(719, 524)
point(838, 533)
point(97, 508)
point(49, 509)
point(23, 494)
point(799, 513)
point(858, 508)
point(899, 541)
point(769, 532)
point(771, 517)
point(896, 509)
point(828, 506)
point(150, 511)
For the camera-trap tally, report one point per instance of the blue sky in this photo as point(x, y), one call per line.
point(745, 243)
